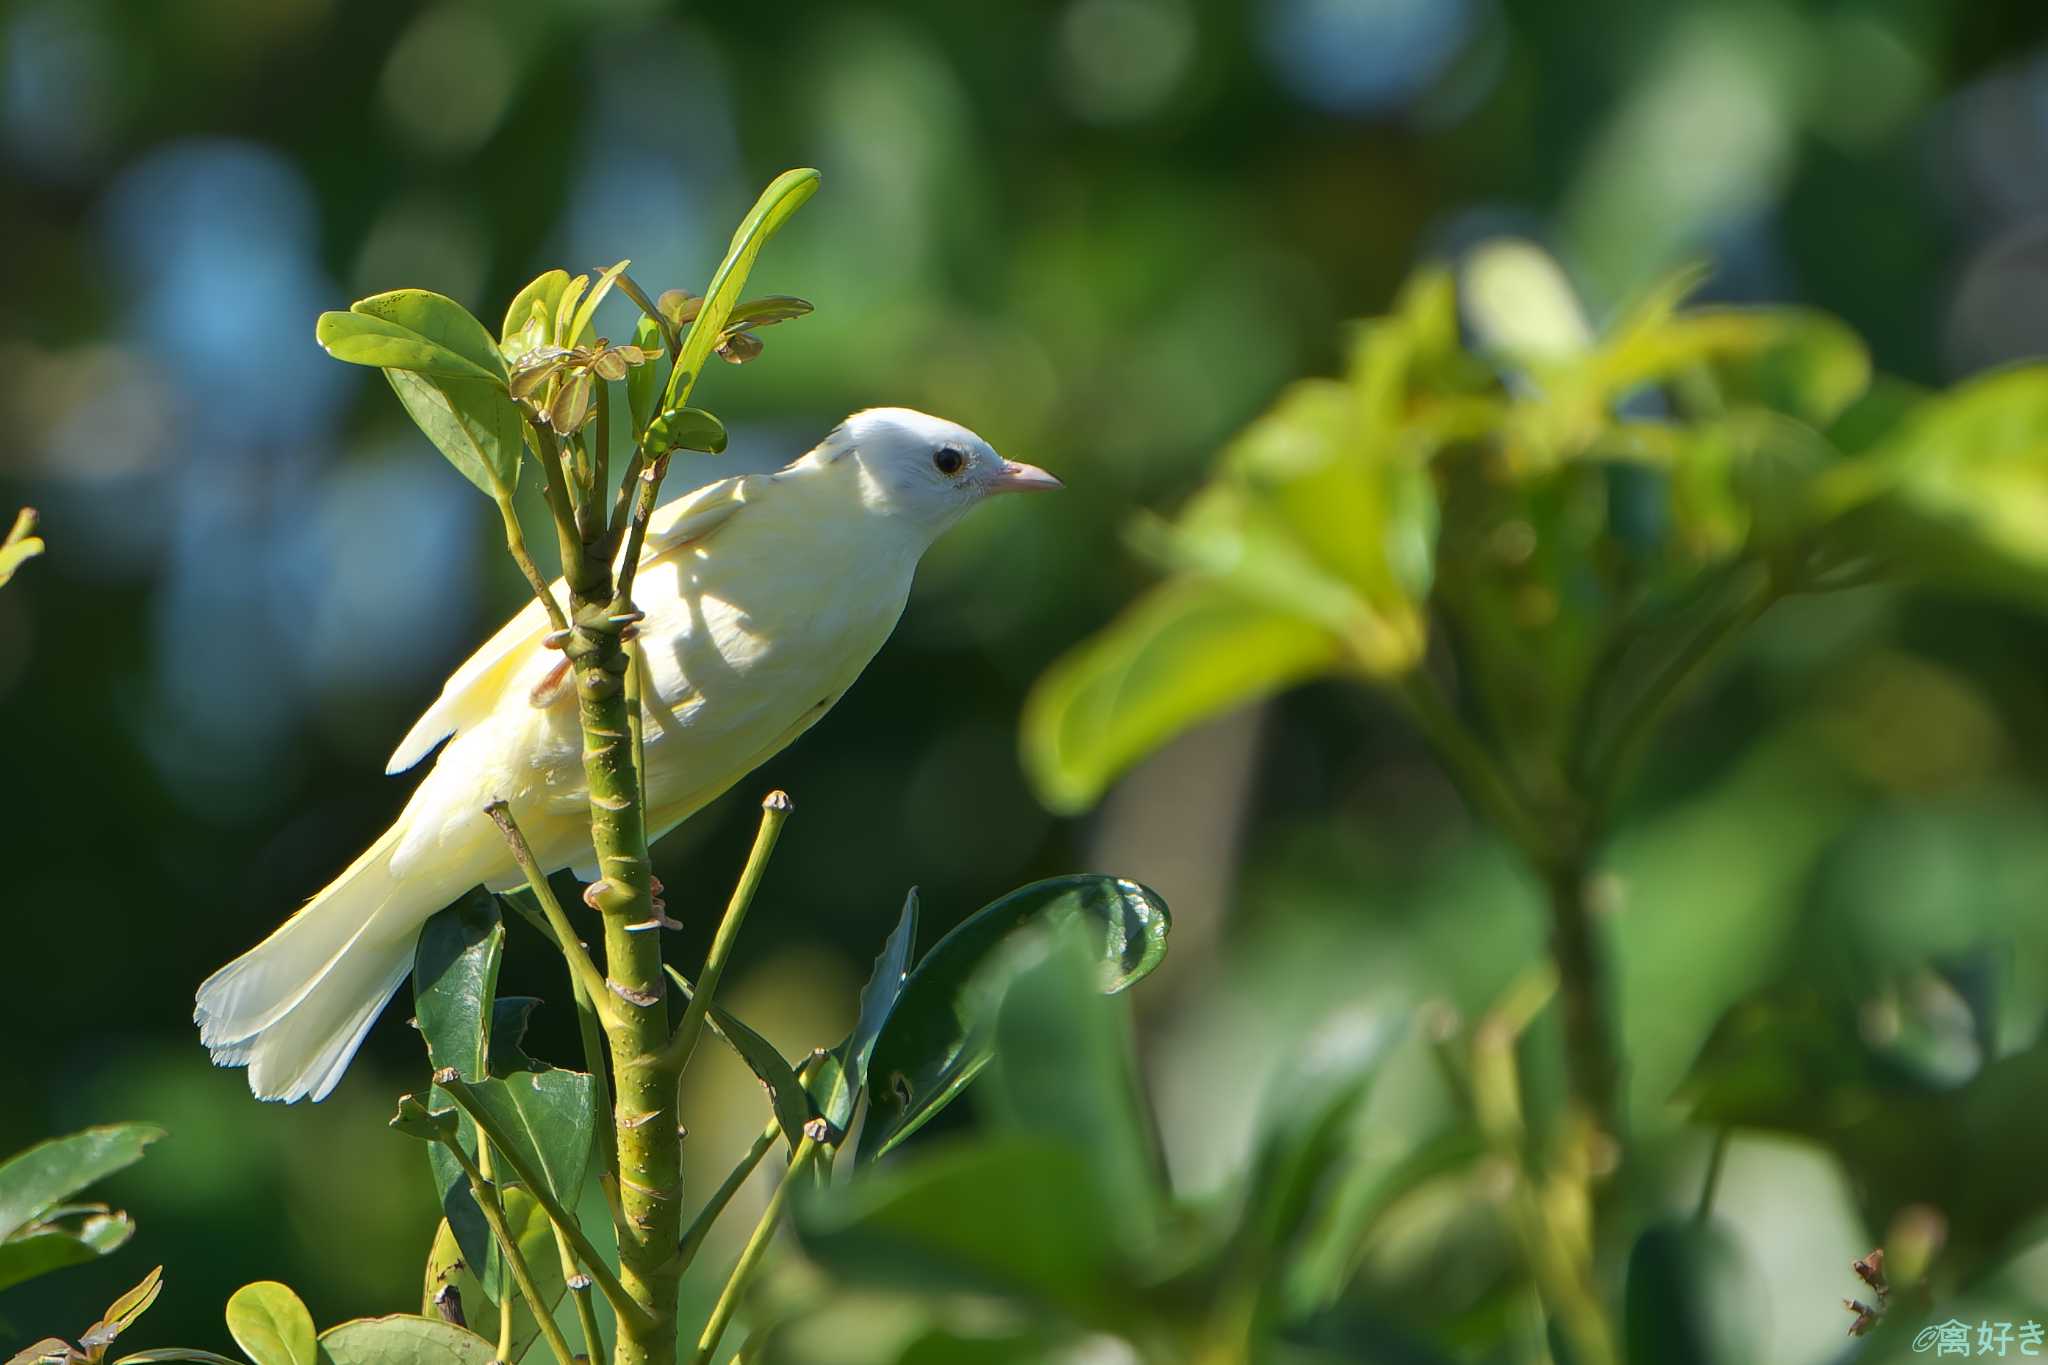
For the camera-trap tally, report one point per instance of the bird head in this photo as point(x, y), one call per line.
point(926, 469)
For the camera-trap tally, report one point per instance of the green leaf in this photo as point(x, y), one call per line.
point(455, 980)
point(1062, 1067)
point(473, 422)
point(402, 1339)
point(840, 1076)
point(510, 1016)
point(1180, 655)
point(1012, 1216)
point(937, 1036)
point(542, 297)
point(1672, 1314)
point(415, 1119)
point(786, 1093)
point(42, 1248)
point(169, 1353)
point(19, 546)
point(686, 429)
point(122, 1312)
point(441, 322)
point(1958, 491)
point(588, 309)
point(37, 1180)
point(783, 197)
point(550, 1116)
point(643, 381)
point(360, 339)
point(271, 1326)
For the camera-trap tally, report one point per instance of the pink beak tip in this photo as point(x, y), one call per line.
point(1025, 478)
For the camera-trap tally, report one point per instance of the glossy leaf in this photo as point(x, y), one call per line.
point(840, 1075)
point(362, 339)
point(1012, 1216)
point(455, 980)
point(644, 381)
point(1062, 1067)
point(19, 546)
point(122, 1312)
point(783, 197)
point(402, 1339)
point(586, 312)
point(938, 1036)
point(686, 429)
point(550, 1115)
point(271, 1326)
point(1184, 653)
point(159, 1355)
point(510, 1016)
point(767, 310)
point(541, 298)
point(473, 422)
point(441, 321)
point(38, 1180)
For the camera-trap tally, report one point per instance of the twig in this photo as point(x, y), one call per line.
point(589, 511)
point(594, 1265)
point(700, 1226)
point(582, 971)
point(757, 1244)
point(636, 533)
point(579, 1286)
point(775, 810)
point(486, 1195)
point(515, 544)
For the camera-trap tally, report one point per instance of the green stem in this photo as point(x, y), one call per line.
point(1478, 778)
point(515, 544)
point(1592, 1064)
point(1710, 1185)
point(630, 1313)
point(486, 1195)
point(1607, 768)
point(649, 480)
point(700, 1226)
point(757, 1245)
point(583, 973)
point(590, 509)
point(775, 811)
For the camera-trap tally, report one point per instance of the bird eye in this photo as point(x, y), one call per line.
point(948, 460)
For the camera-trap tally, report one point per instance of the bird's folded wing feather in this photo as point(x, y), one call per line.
point(475, 688)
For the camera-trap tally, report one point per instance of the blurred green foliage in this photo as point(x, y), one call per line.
point(1106, 233)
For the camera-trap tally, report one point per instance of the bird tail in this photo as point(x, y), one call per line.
point(295, 1008)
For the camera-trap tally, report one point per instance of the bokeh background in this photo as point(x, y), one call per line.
point(1103, 233)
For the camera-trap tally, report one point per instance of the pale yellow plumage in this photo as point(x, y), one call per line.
point(765, 597)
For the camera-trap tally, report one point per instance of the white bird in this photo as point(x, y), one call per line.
point(765, 596)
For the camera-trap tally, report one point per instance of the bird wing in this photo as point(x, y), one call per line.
point(474, 690)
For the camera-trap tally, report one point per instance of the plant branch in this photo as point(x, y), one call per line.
point(757, 1244)
point(515, 545)
point(590, 511)
point(1477, 776)
point(486, 1194)
point(594, 1264)
point(775, 811)
point(582, 971)
point(649, 480)
point(700, 1226)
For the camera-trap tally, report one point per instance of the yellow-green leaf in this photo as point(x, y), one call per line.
point(783, 197)
point(1182, 654)
point(271, 1326)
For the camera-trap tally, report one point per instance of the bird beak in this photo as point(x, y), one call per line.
point(1023, 478)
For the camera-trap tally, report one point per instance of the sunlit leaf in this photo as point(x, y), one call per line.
point(571, 408)
point(19, 546)
point(1182, 654)
point(565, 310)
point(770, 309)
point(1958, 491)
point(586, 313)
point(402, 1340)
point(447, 1267)
point(366, 339)
point(48, 1351)
point(35, 1181)
point(549, 1115)
point(162, 1355)
point(645, 380)
point(440, 321)
point(686, 429)
point(473, 422)
point(938, 1035)
point(783, 197)
point(541, 298)
point(271, 1326)
point(679, 306)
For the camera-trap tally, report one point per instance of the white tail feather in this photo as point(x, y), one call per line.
point(295, 1008)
